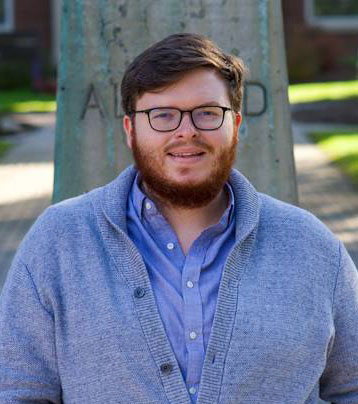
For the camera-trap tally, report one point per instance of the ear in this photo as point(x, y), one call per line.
point(238, 120)
point(128, 129)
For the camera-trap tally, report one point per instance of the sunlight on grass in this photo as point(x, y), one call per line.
point(21, 101)
point(33, 106)
point(4, 146)
point(342, 148)
point(328, 91)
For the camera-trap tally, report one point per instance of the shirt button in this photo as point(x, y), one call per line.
point(192, 390)
point(190, 284)
point(193, 335)
point(148, 205)
point(170, 246)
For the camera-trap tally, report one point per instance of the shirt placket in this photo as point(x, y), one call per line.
point(193, 317)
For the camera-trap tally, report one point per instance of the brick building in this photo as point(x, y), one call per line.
point(29, 41)
point(321, 44)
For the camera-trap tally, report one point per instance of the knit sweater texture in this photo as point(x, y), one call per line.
point(79, 322)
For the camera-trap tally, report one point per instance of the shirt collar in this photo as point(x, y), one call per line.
point(138, 197)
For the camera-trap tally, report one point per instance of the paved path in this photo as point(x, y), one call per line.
point(26, 178)
point(324, 190)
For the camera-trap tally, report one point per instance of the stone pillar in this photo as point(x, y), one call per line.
point(55, 25)
point(100, 38)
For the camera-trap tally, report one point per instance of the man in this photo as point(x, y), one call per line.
point(178, 282)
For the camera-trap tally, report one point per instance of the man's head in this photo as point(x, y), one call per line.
point(185, 157)
point(165, 62)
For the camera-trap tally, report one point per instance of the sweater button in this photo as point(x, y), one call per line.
point(139, 292)
point(166, 368)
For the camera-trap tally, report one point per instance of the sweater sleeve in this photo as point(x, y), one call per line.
point(28, 367)
point(339, 382)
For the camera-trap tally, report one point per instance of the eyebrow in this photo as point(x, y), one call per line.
point(209, 104)
point(205, 104)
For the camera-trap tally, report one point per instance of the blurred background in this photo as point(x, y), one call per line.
point(321, 39)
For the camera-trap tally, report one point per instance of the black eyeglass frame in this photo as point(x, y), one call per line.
point(148, 111)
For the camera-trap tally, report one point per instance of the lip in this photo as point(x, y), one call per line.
point(186, 152)
point(186, 156)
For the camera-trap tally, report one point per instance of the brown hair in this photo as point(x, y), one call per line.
point(169, 60)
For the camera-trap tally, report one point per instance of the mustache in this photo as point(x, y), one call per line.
point(196, 143)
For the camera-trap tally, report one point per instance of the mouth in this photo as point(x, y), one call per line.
point(186, 155)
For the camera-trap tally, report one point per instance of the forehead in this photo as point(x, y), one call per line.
point(198, 87)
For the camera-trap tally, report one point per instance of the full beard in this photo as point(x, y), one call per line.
point(188, 195)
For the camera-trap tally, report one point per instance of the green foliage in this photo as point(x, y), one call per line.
point(342, 148)
point(336, 7)
point(20, 101)
point(14, 75)
point(327, 91)
point(4, 146)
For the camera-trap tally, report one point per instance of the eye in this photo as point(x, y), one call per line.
point(208, 112)
point(162, 114)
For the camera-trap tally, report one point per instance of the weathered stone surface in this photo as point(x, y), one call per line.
point(100, 38)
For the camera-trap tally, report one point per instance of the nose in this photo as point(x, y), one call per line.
point(186, 127)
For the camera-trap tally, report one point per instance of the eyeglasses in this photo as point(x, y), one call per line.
point(164, 119)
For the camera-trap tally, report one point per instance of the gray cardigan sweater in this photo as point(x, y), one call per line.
point(79, 322)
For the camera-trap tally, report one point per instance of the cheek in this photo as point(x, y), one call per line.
point(150, 146)
point(230, 134)
point(147, 138)
point(222, 140)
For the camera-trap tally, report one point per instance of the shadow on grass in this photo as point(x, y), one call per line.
point(327, 111)
point(349, 165)
point(342, 148)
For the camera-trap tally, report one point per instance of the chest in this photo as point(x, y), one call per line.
point(281, 335)
point(108, 329)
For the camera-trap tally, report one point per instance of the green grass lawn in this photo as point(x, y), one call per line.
point(22, 101)
point(4, 146)
point(327, 91)
point(342, 149)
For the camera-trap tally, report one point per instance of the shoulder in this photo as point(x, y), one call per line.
point(66, 223)
point(278, 213)
point(75, 224)
point(67, 213)
point(58, 225)
point(296, 229)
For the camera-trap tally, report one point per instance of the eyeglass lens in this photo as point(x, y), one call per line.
point(165, 119)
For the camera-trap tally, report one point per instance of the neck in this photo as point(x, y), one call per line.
point(187, 223)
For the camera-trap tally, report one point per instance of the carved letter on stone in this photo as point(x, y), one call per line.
point(93, 101)
point(255, 99)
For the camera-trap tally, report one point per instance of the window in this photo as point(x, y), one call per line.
point(6, 15)
point(337, 15)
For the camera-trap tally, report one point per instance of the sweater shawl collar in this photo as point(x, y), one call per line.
point(113, 201)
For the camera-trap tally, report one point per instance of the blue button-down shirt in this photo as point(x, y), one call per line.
point(185, 286)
